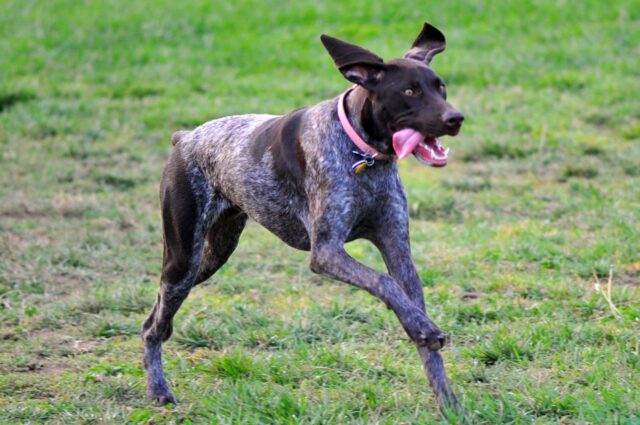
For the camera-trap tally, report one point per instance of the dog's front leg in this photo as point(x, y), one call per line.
point(328, 257)
point(397, 257)
point(396, 253)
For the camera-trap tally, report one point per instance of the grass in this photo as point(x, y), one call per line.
point(542, 192)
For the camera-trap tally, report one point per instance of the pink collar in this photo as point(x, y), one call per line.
point(369, 152)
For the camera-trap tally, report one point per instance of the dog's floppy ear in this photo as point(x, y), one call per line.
point(358, 65)
point(429, 43)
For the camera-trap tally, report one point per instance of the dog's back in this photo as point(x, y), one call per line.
point(260, 163)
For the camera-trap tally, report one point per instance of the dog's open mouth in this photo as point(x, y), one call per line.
point(428, 150)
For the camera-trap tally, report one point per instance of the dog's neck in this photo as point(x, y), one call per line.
point(360, 112)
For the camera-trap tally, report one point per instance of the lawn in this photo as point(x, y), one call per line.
point(540, 201)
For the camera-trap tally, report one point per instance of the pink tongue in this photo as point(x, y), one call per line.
point(405, 141)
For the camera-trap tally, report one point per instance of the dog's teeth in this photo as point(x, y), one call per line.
point(446, 152)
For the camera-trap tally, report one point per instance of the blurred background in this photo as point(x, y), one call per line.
point(540, 202)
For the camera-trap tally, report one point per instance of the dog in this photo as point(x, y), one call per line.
point(317, 177)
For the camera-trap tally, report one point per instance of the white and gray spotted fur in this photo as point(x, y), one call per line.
point(220, 148)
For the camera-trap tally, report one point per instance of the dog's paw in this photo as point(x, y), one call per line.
point(434, 341)
point(425, 333)
point(162, 399)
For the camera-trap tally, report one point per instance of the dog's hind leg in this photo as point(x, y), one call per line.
point(188, 206)
point(222, 240)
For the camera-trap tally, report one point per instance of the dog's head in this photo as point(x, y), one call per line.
point(405, 107)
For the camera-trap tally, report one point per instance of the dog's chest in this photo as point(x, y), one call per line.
point(372, 190)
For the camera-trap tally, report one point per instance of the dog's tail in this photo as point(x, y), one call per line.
point(177, 136)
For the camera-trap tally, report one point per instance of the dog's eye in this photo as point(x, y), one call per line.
point(409, 92)
point(443, 90)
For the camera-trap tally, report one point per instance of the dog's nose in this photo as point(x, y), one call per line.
point(453, 118)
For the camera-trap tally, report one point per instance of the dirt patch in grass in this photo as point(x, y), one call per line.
point(22, 212)
point(85, 346)
point(628, 278)
point(45, 334)
point(43, 367)
point(72, 206)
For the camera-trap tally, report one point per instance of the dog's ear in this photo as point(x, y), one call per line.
point(429, 43)
point(358, 65)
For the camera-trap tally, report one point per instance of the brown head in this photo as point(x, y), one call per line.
point(405, 106)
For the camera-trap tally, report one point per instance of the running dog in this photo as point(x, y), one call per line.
point(317, 177)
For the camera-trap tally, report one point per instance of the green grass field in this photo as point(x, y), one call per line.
point(541, 195)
